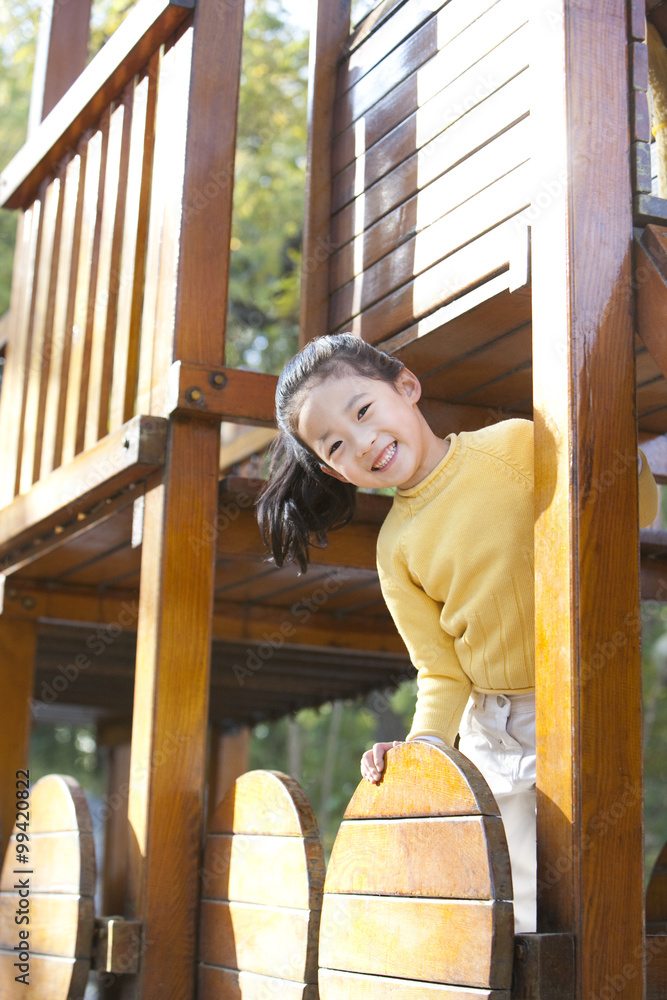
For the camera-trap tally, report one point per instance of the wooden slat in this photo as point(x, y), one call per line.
point(18, 640)
point(448, 941)
point(60, 925)
point(485, 21)
point(227, 984)
point(422, 857)
point(651, 296)
point(265, 802)
point(367, 51)
point(271, 941)
point(268, 870)
point(79, 361)
point(133, 253)
point(68, 265)
point(59, 803)
point(147, 26)
point(328, 34)
point(62, 53)
point(49, 979)
point(239, 395)
point(131, 453)
point(356, 986)
point(469, 266)
point(160, 289)
point(481, 365)
point(61, 862)
point(586, 589)
point(420, 150)
point(16, 365)
point(486, 209)
point(38, 367)
point(106, 289)
point(445, 784)
point(453, 190)
point(454, 66)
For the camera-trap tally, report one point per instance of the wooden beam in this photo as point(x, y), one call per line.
point(62, 54)
point(329, 33)
point(228, 760)
point(650, 253)
point(590, 867)
point(66, 494)
point(222, 393)
point(142, 32)
point(18, 640)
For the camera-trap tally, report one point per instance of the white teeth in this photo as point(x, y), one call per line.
point(387, 458)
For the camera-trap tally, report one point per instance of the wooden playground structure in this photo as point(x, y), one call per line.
point(480, 202)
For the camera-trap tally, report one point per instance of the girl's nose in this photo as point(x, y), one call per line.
point(365, 442)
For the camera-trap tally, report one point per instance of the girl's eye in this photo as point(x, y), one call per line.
point(333, 447)
point(362, 411)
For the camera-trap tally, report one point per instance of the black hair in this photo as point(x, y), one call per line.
point(300, 503)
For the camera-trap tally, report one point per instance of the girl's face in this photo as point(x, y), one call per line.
point(370, 432)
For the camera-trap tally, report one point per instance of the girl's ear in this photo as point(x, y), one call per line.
point(409, 384)
point(334, 474)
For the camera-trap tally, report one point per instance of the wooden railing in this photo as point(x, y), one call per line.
point(96, 211)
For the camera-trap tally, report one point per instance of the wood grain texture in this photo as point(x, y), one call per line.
point(589, 683)
point(443, 783)
point(62, 53)
point(60, 924)
point(422, 857)
point(449, 941)
point(145, 29)
point(62, 862)
point(329, 32)
point(50, 978)
point(656, 966)
point(168, 764)
point(356, 986)
point(227, 984)
point(61, 341)
point(270, 941)
point(267, 870)
point(265, 802)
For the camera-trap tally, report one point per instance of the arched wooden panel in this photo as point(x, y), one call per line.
point(656, 894)
point(262, 880)
point(54, 888)
point(417, 899)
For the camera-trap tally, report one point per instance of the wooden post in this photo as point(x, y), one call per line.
point(116, 741)
point(590, 838)
point(228, 761)
point(62, 54)
point(184, 318)
point(18, 641)
point(329, 32)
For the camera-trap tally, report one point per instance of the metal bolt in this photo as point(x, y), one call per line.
point(217, 380)
point(58, 530)
point(193, 395)
point(125, 443)
point(28, 603)
point(12, 593)
point(81, 516)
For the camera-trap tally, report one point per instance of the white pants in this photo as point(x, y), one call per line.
point(498, 736)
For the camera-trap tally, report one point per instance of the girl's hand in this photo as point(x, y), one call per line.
point(372, 762)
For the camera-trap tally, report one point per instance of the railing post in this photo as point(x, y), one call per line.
point(590, 836)
point(62, 53)
point(330, 30)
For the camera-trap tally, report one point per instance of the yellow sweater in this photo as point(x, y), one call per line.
point(455, 558)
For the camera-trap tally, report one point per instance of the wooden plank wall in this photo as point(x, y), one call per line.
point(430, 160)
point(75, 358)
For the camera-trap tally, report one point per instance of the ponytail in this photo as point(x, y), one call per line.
point(300, 504)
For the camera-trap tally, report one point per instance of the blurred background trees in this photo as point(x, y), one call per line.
point(320, 747)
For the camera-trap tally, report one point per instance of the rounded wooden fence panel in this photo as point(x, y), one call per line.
point(417, 899)
point(54, 889)
point(262, 880)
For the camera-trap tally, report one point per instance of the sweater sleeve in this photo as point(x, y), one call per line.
point(442, 686)
point(648, 494)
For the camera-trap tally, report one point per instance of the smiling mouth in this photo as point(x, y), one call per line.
point(385, 457)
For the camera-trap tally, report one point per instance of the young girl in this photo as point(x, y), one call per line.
point(454, 556)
